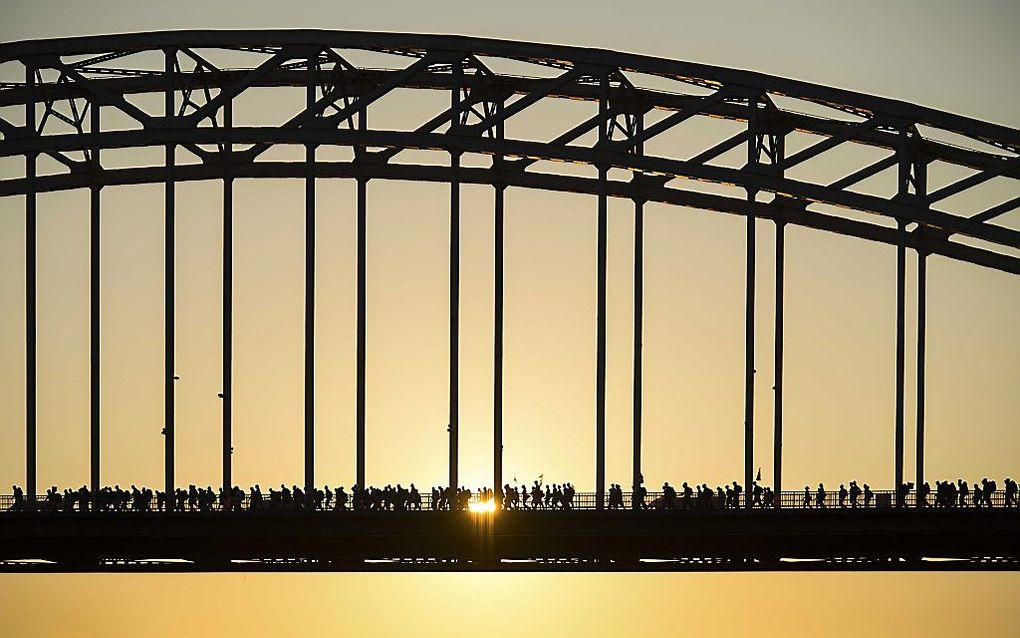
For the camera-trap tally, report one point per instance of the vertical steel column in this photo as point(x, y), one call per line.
point(922, 283)
point(169, 281)
point(497, 322)
point(600, 358)
point(228, 302)
point(94, 301)
point(310, 288)
point(752, 160)
point(639, 309)
point(455, 279)
point(777, 439)
point(30, 291)
point(904, 171)
point(901, 295)
point(749, 350)
point(362, 232)
point(639, 241)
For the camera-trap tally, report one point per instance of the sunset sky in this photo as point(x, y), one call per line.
point(840, 321)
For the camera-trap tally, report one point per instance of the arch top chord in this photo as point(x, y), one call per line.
point(65, 77)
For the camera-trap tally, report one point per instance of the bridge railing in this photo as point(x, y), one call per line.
point(654, 501)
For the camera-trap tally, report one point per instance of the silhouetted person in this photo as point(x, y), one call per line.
point(855, 494)
point(922, 494)
point(963, 491)
point(868, 495)
point(639, 496)
point(989, 491)
point(1011, 492)
point(843, 494)
point(668, 496)
point(807, 496)
point(536, 496)
point(902, 492)
point(820, 496)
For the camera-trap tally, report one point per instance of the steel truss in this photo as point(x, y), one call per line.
point(54, 113)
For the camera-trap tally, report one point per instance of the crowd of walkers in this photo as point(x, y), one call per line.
point(552, 497)
point(947, 494)
point(688, 498)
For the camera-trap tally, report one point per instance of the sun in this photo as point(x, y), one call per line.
point(482, 507)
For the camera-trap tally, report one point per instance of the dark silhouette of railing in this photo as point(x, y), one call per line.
point(585, 501)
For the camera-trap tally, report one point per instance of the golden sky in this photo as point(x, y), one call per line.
point(839, 353)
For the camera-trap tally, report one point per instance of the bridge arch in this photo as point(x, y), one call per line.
point(55, 111)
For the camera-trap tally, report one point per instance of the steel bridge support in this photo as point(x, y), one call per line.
point(922, 283)
point(169, 282)
point(227, 394)
point(901, 294)
point(749, 349)
point(600, 358)
point(454, 424)
point(310, 290)
point(499, 192)
point(30, 293)
point(95, 205)
point(637, 400)
point(497, 363)
point(755, 130)
point(912, 187)
point(777, 439)
point(639, 306)
point(362, 295)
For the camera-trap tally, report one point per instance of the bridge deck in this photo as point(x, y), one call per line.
point(513, 541)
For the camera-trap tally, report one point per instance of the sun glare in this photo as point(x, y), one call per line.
point(482, 507)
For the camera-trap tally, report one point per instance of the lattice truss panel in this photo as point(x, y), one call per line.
point(231, 104)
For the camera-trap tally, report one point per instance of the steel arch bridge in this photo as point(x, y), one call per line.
point(176, 91)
